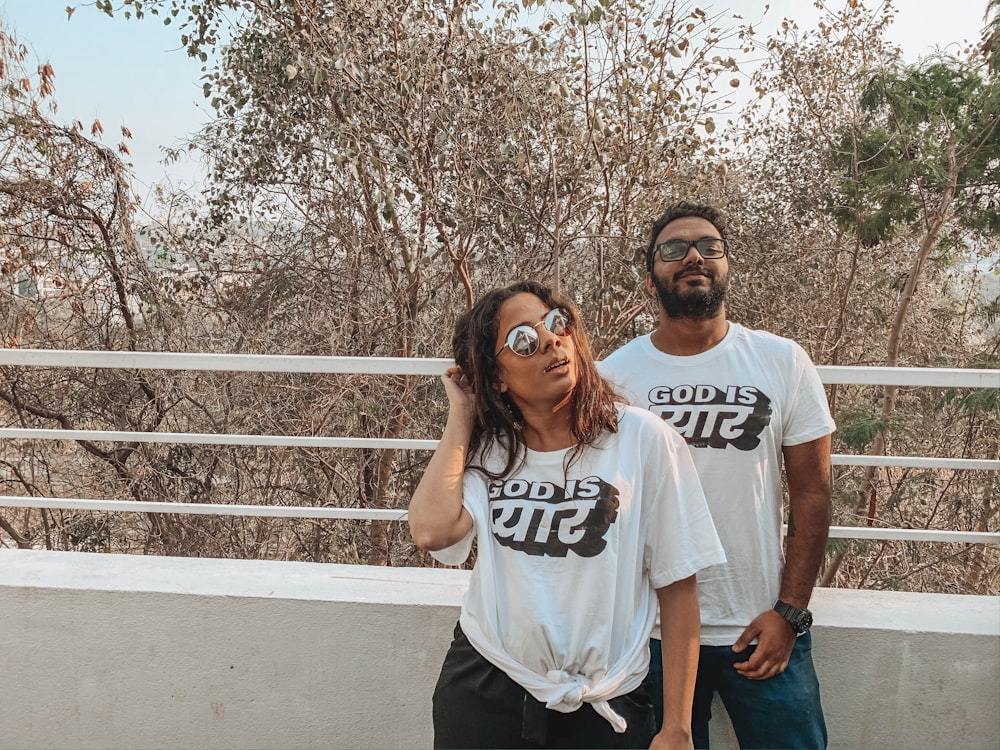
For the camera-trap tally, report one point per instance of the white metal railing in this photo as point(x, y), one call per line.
point(904, 376)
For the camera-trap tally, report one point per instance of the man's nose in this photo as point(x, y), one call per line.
point(692, 257)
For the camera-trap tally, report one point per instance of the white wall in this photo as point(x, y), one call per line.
point(103, 651)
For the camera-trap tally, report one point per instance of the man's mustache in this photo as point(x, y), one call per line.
point(694, 270)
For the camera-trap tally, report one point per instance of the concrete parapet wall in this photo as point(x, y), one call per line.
point(114, 651)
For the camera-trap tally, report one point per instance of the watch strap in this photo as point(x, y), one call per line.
point(799, 619)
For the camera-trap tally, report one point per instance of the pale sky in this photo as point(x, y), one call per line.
point(135, 73)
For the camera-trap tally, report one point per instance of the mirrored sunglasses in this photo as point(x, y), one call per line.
point(523, 339)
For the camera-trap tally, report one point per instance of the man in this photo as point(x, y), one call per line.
point(747, 402)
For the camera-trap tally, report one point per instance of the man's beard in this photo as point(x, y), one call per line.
point(695, 303)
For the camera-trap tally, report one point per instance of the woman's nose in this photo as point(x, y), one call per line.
point(548, 339)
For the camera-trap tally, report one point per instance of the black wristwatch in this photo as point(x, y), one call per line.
point(800, 619)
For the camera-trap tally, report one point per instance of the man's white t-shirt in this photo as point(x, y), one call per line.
point(736, 405)
point(562, 595)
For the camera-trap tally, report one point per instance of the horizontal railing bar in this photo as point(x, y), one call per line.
point(282, 511)
point(944, 377)
point(914, 535)
point(830, 374)
point(205, 509)
point(223, 362)
point(919, 462)
point(207, 438)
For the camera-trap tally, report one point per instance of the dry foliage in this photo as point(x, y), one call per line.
point(376, 168)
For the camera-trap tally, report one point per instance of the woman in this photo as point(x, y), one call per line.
point(586, 513)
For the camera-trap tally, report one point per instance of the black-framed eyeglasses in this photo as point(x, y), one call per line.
point(523, 339)
point(710, 248)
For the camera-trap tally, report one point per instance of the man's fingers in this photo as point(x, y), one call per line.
point(762, 671)
point(745, 639)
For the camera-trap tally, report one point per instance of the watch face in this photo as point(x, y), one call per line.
point(804, 622)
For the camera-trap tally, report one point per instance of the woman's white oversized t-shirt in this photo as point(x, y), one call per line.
point(562, 596)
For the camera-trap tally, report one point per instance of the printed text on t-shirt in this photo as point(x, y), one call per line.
point(544, 518)
point(711, 417)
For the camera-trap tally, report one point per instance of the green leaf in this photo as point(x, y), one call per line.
point(858, 429)
point(984, 399)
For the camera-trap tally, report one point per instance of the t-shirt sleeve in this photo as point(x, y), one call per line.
point(680, 536)
point(808, 417)
point(616, 368)
point(473, 496)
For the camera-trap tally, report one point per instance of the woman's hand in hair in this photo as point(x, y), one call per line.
point(459, 390)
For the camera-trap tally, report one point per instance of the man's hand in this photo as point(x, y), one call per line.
point(775, 640)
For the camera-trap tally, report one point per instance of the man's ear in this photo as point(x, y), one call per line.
point(650, 286)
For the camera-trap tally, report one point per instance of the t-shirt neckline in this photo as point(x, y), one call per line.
point(691, 360)
point(555, 455)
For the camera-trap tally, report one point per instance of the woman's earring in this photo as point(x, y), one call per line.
point(513, 411)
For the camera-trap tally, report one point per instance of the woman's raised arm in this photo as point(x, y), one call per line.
point(436, 516)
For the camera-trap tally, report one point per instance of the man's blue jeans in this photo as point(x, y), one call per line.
point(782, 712)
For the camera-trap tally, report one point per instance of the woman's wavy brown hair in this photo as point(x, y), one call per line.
point(495, 415)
